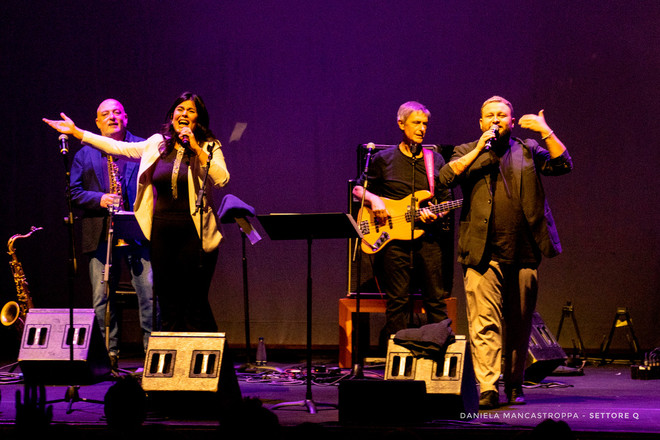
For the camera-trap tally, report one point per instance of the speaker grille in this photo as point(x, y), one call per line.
point(55, 352)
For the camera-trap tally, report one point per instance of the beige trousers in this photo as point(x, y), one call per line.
point(500, 302)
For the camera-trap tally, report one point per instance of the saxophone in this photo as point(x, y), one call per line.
point(17, 310)
point(115, 188)
point(115, 182)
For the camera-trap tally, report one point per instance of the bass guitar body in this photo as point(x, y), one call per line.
point(397, 225)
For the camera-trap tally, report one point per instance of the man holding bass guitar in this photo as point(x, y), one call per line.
point(407, 258)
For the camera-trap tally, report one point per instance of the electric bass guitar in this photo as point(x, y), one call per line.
point(397, 226)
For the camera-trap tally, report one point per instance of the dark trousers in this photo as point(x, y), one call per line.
point(182, 275)
point(400, 279)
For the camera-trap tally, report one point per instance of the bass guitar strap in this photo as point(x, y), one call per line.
point(428, 163)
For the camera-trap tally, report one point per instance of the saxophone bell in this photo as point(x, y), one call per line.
point(10, 313)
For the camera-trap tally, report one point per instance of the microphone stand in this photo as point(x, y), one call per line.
point(357, 371)
point(73, 264)
point(413, 204)
point(200, 205)
point(72, 394)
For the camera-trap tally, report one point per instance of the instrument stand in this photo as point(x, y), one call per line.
point(106, 280)
point(106, 274)
point(568, 312)
point(309, 227)
point(621, 319)
point(125, 228)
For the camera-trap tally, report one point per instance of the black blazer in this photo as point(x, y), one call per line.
point(531, 160)
point(89, 181)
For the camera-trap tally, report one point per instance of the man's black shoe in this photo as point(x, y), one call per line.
point(515, 396)
point(489, 400)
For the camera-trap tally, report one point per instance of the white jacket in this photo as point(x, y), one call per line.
point(148, 153)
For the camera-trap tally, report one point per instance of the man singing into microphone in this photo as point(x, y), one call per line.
point(93, 193)
point(390, 176)
point(506, 228)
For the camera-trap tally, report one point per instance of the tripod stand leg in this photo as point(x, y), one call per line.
point(561, 323)
point(309, 404)
point(71, 396)
point(606, 343)
point(577, 332)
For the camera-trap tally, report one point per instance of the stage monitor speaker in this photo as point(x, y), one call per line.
point(544, 354)
point(45, 352)
point(450, 382)
point(179, 364)
point(415, 389)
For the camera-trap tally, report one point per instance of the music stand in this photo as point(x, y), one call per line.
point(309, 227)
point(127, 227)
point(234, 210)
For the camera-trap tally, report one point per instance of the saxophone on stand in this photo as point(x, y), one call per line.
point(14, 312)
point(116, 189)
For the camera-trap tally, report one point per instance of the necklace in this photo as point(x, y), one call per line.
point(175, 172)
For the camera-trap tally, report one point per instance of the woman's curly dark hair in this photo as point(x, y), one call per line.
point(202, 131)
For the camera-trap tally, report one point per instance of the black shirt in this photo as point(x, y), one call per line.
point(509, 239)
point(162, 181)
point(390, 175)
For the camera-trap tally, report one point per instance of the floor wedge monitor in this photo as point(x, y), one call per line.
point(54, 352)
point(449, 377)
point(544, 354)
point(179, 364)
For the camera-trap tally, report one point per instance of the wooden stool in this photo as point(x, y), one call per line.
point(347, 307)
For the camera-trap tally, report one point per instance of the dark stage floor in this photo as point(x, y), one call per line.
point(603, 403)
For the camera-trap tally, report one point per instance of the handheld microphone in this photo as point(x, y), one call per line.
point(415, 149)
point(370, 147)
point(489, 142)
point(185, 141)
point(64, 144)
